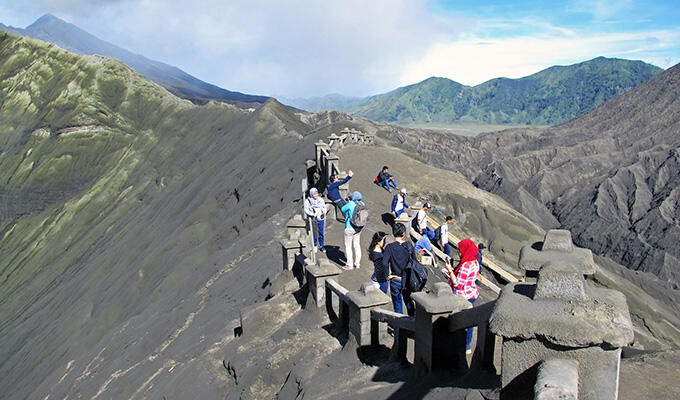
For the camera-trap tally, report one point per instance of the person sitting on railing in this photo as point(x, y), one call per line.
point(375, 253)
point(441, 236)
point(399, 205)
point(385, 179)
point(315, 208)
point(463, 279)
point(419, 222)
point(395, 256)
point(333, 189)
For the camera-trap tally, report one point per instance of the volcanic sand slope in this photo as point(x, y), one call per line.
point(121, 202)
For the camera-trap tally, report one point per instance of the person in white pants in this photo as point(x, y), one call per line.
point(352, 234)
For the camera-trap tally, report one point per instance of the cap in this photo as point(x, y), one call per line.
point(356, 196)
point(402, 190)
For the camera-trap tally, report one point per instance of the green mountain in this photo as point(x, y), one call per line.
point(548, 97)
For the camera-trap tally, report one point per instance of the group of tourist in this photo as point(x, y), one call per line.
point(390, 260)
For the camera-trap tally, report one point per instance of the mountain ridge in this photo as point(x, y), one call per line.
point(550, 96)
point(70, 37)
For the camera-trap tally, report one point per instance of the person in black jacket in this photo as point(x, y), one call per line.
point(396, 256)
point(385, 179)
point(375, 253)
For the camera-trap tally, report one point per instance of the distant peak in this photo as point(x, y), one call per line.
point(47, 19)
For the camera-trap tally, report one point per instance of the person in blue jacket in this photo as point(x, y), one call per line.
point(399, 205)
point(352, 234)
point(333, 189)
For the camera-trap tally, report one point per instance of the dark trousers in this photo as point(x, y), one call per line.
point(396, 293)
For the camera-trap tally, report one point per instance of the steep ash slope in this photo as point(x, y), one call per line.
point(128, 220)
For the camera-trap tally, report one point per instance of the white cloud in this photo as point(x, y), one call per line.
point(299, 48)
point(472, 60)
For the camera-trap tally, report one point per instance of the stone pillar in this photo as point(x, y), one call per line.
point(361, 302)
point(557, 245)
point(557, 380)
point(334, 141)
point(436, 347)
point(316, 280)
point(290, 247)
point(318, 147)
point(562, 316)
point(333, 163)
point(297, 228)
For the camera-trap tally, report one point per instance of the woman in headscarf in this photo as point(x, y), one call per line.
point(463, 279)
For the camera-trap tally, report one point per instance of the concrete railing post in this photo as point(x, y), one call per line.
point(316, 280)
point(557, 380)
point(557, 245)
point(290, 247)
point(297, 228)
point(562, 316)
point(436, 346)
point(361, 302)
point(333, 164)
point(320, 147)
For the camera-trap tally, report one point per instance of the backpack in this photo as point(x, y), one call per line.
point(359, 216)
point(414, 274)
point(437, 235)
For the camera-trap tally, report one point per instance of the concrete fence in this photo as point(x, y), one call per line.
point(557, 335)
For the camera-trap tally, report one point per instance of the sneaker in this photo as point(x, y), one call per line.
point(323, 249)
point(390, 190)
point(346, 267)
point(356, 266)
point(468, 351)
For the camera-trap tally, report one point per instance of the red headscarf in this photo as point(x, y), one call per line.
point(468, 252)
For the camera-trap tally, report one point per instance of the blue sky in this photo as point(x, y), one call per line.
point(310, 48)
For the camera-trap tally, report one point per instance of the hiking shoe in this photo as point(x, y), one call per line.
point(346, 267)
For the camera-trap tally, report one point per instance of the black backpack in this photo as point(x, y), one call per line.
point(360, 216)
point(437, 235)
point(414, 274)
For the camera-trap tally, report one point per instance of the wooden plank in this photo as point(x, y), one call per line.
point(453, 240)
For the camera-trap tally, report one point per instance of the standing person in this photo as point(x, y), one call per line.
point(481, 247)
point(464, 277)
point(352, 233)
point(399, 205)
point(315, 208)
point(385, 179)
point(419, 223)
point(375, 253)
point(333, 189)
point(396, 256)
point(441, 236)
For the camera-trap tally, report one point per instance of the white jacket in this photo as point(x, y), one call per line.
point(315, 207)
